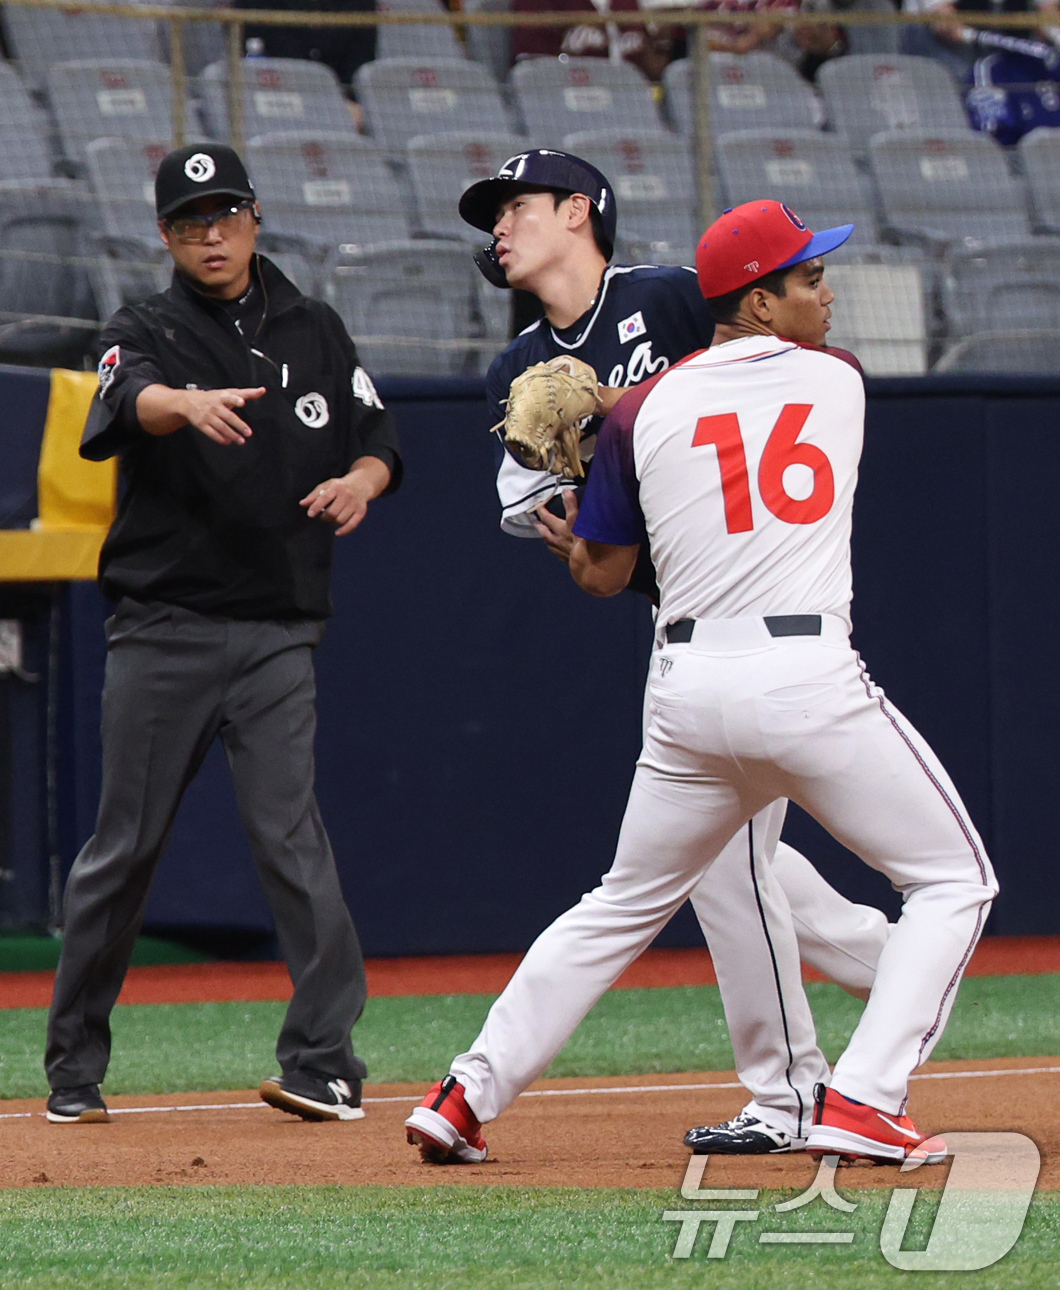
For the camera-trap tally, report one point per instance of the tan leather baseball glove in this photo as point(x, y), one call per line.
point(547, 407)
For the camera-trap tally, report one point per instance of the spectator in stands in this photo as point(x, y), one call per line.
point(344, 49)
point(954, 39)
point(647, 46)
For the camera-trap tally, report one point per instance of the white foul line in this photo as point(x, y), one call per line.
point(543, 1092)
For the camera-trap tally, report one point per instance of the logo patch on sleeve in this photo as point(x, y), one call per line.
point(364, 389)
point(632, 327)
point(107, 369)
point(312, 410)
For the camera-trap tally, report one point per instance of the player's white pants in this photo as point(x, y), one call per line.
point(761, 904)
point(740, 719)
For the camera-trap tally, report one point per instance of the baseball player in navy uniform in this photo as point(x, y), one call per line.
point(738, 467)
point(553, 218)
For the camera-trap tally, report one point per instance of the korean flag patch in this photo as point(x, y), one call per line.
point(632, 327)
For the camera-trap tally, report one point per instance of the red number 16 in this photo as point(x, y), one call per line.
point(781, 451)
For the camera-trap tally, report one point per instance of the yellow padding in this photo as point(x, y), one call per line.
point(75, 498)
point(50, 555)
point(72, 492)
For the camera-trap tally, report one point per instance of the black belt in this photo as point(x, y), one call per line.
point(680, 633)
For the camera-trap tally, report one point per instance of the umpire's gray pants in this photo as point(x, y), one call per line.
point(175, 680)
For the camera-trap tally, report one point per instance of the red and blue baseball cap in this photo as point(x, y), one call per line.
point(754, 239)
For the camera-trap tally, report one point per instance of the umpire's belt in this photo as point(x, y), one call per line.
point(680, 633)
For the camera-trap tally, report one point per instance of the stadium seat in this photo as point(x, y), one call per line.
point(869, 93)
point(43, 225)
point(556, 98)
point(947, 187)
point(880, 314)
point(406, 293)
point(812, 172)
point(325, 194)
point(748, 92)
point(40, 37)
point(427, 40)
point(490, 46)
point(133, 262)
point(97, 98)
point(1040, 152)
point(654, 190)
point(1005, 287)
point(441, 166)
point(279, 94)
point(1005, 353)
point(404, 97)
point(24, 150)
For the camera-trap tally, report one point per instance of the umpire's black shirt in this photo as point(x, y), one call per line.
point(218, 529)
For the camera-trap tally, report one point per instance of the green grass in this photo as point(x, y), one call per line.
point(41, 953)
point(455, 1238)
point(179, 1047)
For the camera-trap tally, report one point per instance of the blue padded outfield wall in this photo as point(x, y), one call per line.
point(480, 717)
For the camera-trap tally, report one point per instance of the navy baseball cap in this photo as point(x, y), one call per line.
point(542, 168)
point(200, 170)
point(754, 239)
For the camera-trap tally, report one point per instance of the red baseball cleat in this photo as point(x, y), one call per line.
point(854, 1131)
point(444, 1129)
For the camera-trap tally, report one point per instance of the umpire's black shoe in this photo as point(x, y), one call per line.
point(744, 1136)
point(80, 1105)
point(314, 1095)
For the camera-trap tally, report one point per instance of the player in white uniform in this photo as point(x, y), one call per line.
point(630, 323)
point(738, 467)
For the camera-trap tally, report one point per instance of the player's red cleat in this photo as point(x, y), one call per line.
point(855, 1131)
point(444, 1129)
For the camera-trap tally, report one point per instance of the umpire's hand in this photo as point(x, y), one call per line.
point(344, 502)
point(161, 410)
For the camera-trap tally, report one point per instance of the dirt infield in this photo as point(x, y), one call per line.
point(570, 1133)
point(463, 974)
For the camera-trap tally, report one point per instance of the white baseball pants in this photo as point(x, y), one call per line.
point(740, 719)
point(758, 904)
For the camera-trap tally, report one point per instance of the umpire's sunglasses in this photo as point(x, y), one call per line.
point(194, 228)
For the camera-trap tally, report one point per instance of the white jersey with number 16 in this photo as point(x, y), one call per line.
point(739, 467)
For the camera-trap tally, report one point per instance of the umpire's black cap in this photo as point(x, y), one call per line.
point(560, 172)
point(199, 170)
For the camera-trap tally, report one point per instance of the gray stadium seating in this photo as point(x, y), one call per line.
point(654, 190)
point(39, 37)
point(1040, 153)
point(412, 292)
point(416, 41)
point(556, 98)
point(404, 97)
point(24, 150)
point(1005, 353)
point(328, 194)
point(812, 172)
point(947, 187)
point(97, 98)
point(748, 92)
point(47, 223)
point(880, 313)
point(1007, 287)
point(441, 166)
point(490, 46)
point(279, 94)
point(869, 93)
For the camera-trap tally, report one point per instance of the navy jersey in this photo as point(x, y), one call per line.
point(646, 318)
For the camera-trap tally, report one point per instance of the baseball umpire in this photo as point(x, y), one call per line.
point(554, 222)
point(249, 437)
